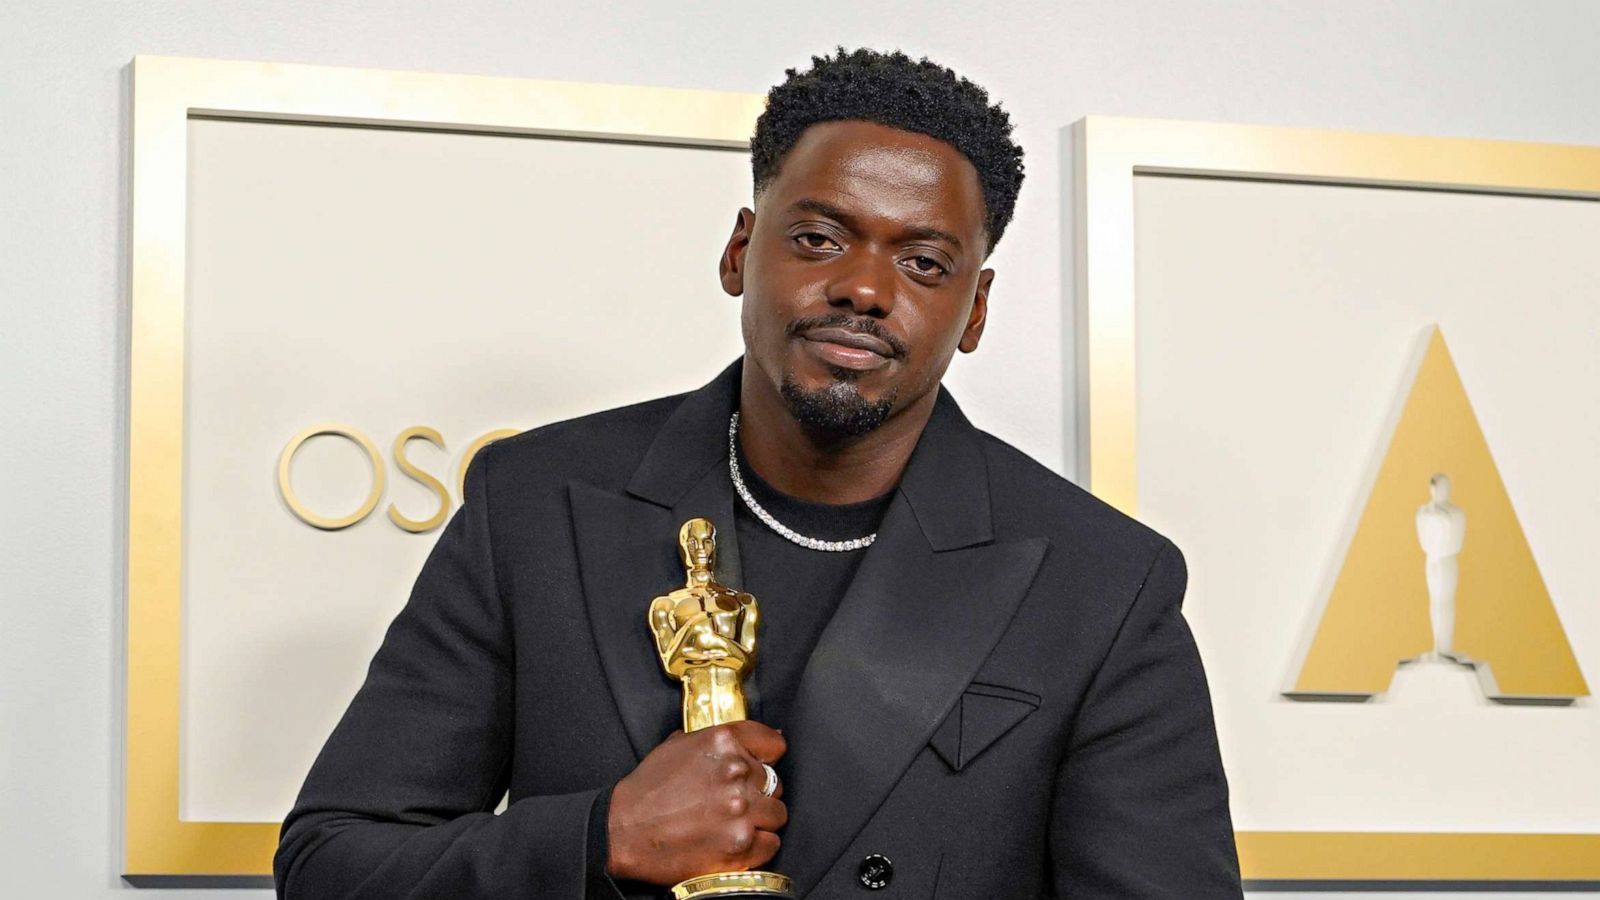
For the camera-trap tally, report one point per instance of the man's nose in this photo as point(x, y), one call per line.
point(865, 282)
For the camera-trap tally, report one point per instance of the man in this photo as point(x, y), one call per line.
point(982, 679)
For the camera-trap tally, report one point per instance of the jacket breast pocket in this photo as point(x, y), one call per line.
point(983, 715)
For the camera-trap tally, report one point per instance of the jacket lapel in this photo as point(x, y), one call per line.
point(627, 546)
point(928, 604)
point(626, 557)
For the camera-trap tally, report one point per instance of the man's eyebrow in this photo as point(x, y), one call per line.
point(915, 232)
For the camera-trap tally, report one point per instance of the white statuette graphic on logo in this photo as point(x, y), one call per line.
point(1441, 530)
point(1408, 585)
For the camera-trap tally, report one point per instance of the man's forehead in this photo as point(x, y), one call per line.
point(899, 173)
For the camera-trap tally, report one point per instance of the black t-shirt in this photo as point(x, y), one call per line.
point(796, 588)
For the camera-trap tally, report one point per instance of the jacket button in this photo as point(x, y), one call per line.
point(875, 872)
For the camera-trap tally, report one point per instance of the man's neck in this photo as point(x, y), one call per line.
point(792, 460)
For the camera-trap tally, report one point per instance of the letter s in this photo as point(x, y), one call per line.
point(428, 481)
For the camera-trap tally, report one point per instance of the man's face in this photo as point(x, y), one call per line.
point(861, 273)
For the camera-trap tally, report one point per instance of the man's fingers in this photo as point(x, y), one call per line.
point(757, 779)
point(762, 850)
point(768, 813)
point(759, 740)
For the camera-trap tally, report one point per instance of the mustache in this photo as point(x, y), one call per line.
point(849, 323)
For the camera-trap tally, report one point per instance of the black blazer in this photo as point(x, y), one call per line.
point(1007, 703)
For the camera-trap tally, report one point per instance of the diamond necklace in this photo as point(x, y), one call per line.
point(785, 531)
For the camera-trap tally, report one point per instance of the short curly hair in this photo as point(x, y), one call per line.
point(894, 90)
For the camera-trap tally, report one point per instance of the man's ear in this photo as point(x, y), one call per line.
point(731, 266)
point(980, 313)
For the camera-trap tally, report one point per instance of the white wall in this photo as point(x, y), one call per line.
point(1506, 70)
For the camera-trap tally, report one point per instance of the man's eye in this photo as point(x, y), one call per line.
point(926, 265)
point(814, 240)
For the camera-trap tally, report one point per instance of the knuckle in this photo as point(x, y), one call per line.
point(738, 805)
point(740, 839)
point(736, 769)
point(723, 741)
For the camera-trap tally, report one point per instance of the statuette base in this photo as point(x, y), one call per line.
point(734, 885)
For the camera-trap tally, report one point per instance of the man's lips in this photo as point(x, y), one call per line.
point(850, 339)
point(845, 349)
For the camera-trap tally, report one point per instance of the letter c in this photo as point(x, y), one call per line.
point(286, 490)
point(472, 451)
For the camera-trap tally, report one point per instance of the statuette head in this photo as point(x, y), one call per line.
point(697, 545)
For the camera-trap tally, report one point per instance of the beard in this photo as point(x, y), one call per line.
point(837, 411)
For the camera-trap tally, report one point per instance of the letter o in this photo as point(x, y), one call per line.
point(286, 490)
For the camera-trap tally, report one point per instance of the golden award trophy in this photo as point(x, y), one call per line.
point(706, 635)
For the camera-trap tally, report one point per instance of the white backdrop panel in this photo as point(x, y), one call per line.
point(1276, 323)
point(389, 278)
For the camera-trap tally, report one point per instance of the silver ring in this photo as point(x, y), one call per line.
point(771, 786)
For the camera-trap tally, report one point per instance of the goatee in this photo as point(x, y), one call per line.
point(836, 411)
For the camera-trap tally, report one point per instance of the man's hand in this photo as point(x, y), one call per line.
point(694, 806)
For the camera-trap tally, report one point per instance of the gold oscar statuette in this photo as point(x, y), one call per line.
point(705, 633)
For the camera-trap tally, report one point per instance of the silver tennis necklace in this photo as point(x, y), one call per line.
point(785, 531)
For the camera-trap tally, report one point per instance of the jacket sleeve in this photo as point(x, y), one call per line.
point(1141, 802)
point(399, 804)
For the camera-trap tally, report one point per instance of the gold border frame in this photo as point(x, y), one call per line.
point(1108, 152)
point(167, 92)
